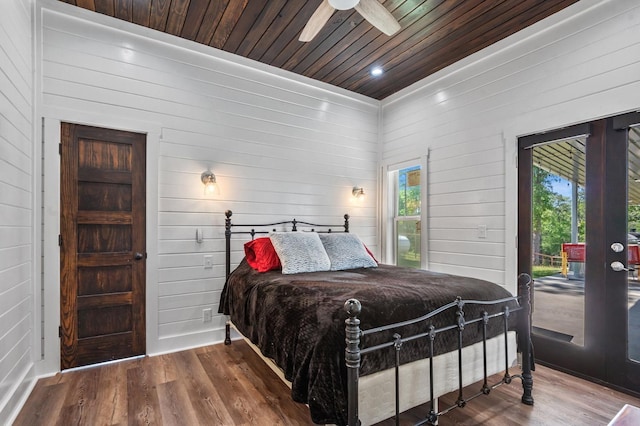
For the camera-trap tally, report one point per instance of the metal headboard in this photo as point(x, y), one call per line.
point(252, 231)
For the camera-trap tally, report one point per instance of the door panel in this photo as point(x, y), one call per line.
point(590, 297)
point(102, 245)
point(622, 290)
point(633, 221)
point(565, 313)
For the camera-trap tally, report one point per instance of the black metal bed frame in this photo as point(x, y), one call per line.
point(294, 227)
point(252, 232)
point(353, 351)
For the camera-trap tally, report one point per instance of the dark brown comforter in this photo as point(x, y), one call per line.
point(298, 321)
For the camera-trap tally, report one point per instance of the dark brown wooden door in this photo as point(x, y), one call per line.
point(102, 255)
point(622, 296)
point(567, 314)
point(586, 319)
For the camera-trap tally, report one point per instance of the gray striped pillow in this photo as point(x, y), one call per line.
point(300, 252)
point(346, 251)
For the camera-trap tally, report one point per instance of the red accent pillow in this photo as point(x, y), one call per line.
point(370, 254)
point(261, 255)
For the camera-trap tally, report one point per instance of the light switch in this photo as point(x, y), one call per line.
point(207, 315)
point(482, 231)
point(208, 261)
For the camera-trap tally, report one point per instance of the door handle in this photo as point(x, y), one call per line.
point(618, 266)
point(138, 256)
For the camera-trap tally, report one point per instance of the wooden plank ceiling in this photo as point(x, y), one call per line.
point(434, 34)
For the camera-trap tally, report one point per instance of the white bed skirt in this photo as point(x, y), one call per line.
point(376, 400)
point(376, 393)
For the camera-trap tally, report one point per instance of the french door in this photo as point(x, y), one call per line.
point(579, 209)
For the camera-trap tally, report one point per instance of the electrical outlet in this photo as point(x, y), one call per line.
point(207, 315)
point(208, 261)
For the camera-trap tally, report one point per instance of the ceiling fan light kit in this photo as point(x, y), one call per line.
point(371, 10)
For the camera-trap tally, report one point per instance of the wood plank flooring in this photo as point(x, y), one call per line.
point(230, 385)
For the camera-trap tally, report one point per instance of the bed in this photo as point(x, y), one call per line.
point(359, 345)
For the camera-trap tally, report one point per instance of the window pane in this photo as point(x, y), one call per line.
point(408, 243)
point(409, 191)
point(405, 191)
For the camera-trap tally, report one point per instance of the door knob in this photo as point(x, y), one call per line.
point(618, 266)
point(617, 247)
point(138, 256)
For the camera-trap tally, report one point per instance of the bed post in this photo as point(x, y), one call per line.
point(346, 223)
point(227, 237)
point(352, 358)
point(524, 290)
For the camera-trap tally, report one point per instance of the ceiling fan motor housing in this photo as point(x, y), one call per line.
point(343, 4)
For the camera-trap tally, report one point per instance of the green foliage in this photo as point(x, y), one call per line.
point(542, 196)
point(542, 200)
point(408, 196)
point(544, 271)
point(551, 222)
point(556, 226)
point(634, 218)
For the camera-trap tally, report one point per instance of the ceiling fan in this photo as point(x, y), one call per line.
point(371, 10)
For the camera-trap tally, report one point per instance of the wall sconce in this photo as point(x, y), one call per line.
point(209, 181)
point(358, 192)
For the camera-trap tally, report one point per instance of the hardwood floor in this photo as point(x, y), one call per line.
point(230, 385)
point(213, 385)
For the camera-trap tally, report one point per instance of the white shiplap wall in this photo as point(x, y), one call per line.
point(280, 145)
point(16, 205)
point(579, 64)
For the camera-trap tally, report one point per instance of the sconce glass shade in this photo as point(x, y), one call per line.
point(358, 192)
point(209, 181)
point(343, 4)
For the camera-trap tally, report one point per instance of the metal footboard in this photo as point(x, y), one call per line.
point(353, 352)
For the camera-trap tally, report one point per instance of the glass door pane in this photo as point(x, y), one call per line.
point(633, 221)
point(558, 238)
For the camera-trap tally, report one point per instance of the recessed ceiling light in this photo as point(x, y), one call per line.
point(376, 71)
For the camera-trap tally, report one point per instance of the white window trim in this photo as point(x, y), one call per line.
point(387, 246)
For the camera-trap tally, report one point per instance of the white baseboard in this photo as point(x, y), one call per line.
point(18, 395)
point(187, 341)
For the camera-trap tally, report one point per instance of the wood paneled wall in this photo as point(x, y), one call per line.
point(281, 146)
point(16, 204)
point(574, 66)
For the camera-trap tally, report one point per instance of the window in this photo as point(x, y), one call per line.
point(405, 187)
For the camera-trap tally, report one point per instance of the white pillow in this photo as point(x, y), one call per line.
point(346, 251)
point(300, 252)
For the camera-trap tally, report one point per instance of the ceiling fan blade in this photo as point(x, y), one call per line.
point(317, 21)
point(378, 16)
